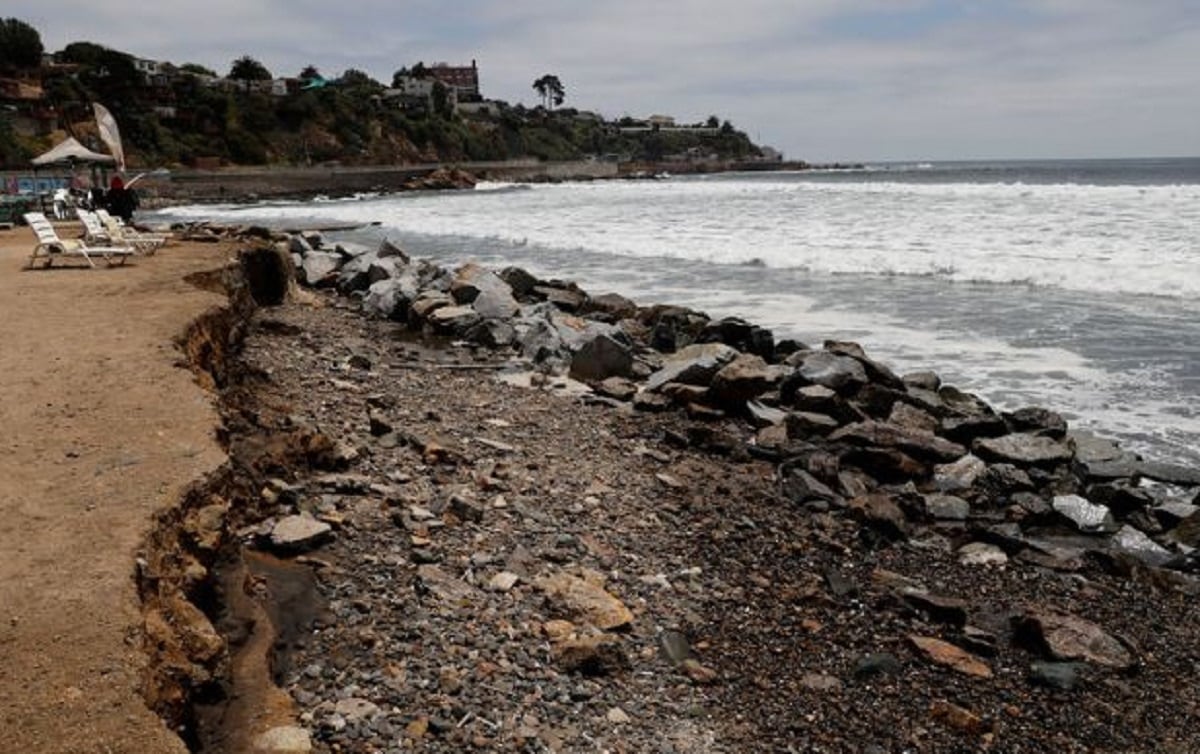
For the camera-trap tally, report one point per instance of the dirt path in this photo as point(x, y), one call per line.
point(100, 430)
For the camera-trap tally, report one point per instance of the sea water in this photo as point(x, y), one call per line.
point(1070, 285)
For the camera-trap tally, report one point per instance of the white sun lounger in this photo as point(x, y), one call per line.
point(51, 247)
point(120, 233)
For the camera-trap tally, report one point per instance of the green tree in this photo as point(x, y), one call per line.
point(247, 68)
point(308, 73)
point(20, 44)
point(441, 99)
point(197, 69)
point(551, 90)
point(353, 77)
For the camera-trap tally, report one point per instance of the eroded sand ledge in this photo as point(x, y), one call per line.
point(102, 429)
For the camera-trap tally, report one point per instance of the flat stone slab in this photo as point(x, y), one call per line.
point(1065, 637)
point(1023, 450)
point(299, 533)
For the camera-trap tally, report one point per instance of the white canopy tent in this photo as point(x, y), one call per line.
point(71, 152)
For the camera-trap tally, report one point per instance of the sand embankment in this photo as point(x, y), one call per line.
point(101, 429)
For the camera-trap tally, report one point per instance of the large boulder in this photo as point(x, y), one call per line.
point(843, 374)
point(917, 443)
point(696, 364)
point(485, 291)
point(319, 268)
point(391, 297)
point(743, 379)
point(602, 357)
point(1023, 450)
point(355, 274)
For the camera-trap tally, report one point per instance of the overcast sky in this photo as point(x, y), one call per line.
point(820, 79)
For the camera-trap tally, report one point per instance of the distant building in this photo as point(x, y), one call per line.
point(463, 80)
point(666, 121)
point(413, 94)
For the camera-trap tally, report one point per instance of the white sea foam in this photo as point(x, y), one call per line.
point(1118, 239)
point(888, 263)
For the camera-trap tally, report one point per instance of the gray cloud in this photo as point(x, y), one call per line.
point(858, 79)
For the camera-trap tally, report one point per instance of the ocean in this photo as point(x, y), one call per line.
point(1072, 285)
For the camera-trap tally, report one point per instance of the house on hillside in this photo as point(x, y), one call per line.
point(24, 103)
point(415, 95)
point(462, 80)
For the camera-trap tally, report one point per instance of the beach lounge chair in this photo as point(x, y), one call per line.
point(93, 232)
point(51, 247)
point(146, 243)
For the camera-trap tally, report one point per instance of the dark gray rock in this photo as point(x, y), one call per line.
point(803, 424)
point(1135, 543)
point(602, 357)
point(916, 443)
point(565, 296)
point(297, 534)
point(1023, 450)
point(923, 380)
point(1003, 479)
point(1066, 637)
point(521, 282)
point(909, 416)
point(1037, 421)
point(1121, 499)
point(940, 608)
point(740, 334)
point(799, 486)
point(389, 249)
point(843, 374)
point(694, 365)
point(298, 244)
point(485, 291)
point(355, 274)
point(746, 377)
point(877, 373)
point(385, 268)
point(348, 250)
point(763, 415)
point(959, 475)
point(947, 508)
point(872, 665)
point(1083, 514)
point(959, 403)
point(1172, 512)
point(319, 268)
point(453, 319)
point(614, 305)
point(1183, 476)
point(968, 429)
point(493, 333)
point(391, 298)
point(426, 303)
point(1061, 676)
point(881, 513)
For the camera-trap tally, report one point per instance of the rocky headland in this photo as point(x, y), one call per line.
point(476, 510)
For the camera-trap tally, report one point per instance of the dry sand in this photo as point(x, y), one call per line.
point(101, 429)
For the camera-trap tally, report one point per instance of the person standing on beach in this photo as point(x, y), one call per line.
point(121, 201)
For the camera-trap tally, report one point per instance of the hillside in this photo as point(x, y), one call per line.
point(186, 115)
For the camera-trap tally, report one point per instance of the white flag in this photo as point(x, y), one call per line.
point(109, 133)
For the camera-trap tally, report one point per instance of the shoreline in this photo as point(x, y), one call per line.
point(754, 553)
point(841, 507)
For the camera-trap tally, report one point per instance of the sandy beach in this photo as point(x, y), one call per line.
point(102, 428)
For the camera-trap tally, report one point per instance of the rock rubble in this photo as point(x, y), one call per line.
point(706, 541)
